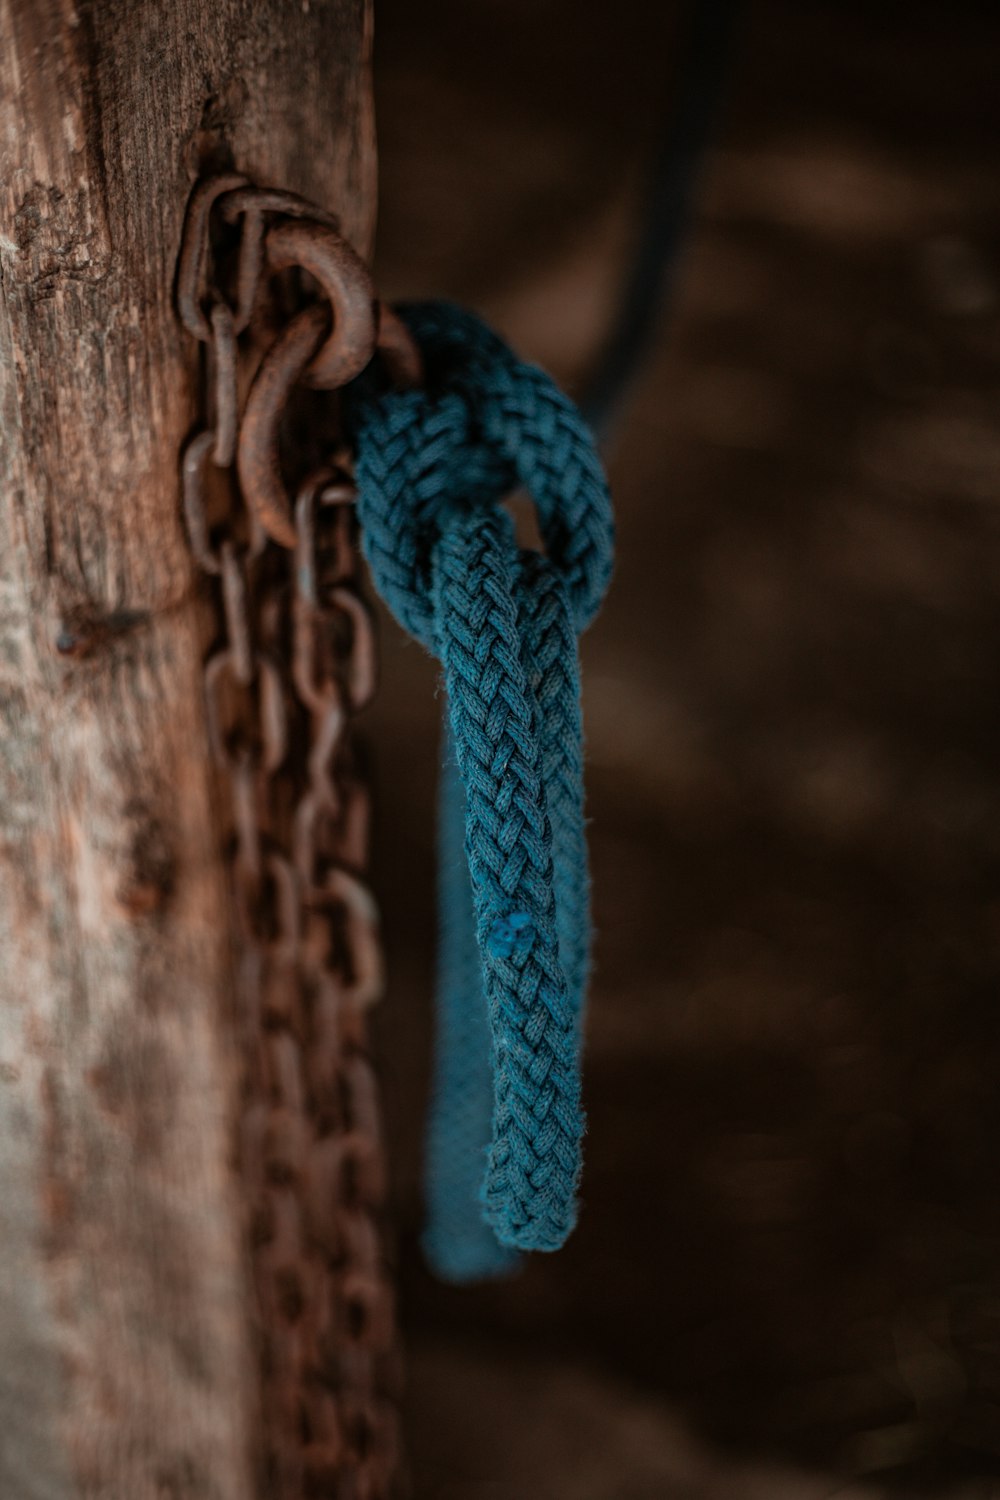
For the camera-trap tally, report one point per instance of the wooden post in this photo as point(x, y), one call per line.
point(126, 1362)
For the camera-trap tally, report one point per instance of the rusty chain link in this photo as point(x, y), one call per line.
point(294, 664)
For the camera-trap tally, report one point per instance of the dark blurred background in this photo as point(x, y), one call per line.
point(786, 1280)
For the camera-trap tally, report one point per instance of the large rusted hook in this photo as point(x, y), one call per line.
point(345, 282)
point(257, 460)
point(309, 351)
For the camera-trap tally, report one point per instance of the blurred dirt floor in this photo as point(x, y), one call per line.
point(786, 1280)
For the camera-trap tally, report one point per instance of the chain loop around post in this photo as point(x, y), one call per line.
point(293, 663)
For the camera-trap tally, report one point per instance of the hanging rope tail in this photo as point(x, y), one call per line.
point(433, 465)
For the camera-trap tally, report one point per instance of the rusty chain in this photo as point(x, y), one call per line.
point(294, 663)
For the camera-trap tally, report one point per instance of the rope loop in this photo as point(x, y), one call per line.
point(504, 1147)
point(485, 423)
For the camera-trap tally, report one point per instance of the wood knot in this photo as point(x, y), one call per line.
point(55, 239)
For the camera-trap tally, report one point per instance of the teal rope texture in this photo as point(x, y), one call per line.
point(504, 1144)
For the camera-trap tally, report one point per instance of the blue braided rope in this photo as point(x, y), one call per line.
point(504, 1144)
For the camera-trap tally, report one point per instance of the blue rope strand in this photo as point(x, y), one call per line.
point(457, 1241)
point(504, 1144)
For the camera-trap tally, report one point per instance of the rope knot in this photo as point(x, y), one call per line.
point(432, 467)
point(484, 424)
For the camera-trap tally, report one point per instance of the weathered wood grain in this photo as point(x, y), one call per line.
point(126, 1359)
